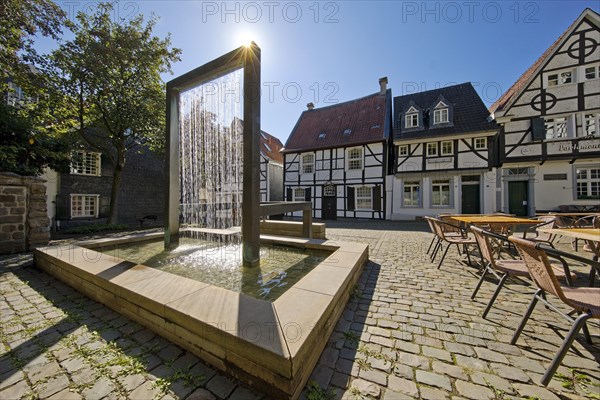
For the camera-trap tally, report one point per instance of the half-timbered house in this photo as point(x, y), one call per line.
point(550, 138)
point(445, 154)
point(337, 157)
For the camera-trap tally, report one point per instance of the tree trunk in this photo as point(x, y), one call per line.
point(116, 183)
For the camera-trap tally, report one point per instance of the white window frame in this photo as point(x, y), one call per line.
point(299, 194)
point(446, 151)
point(594, 68)
point(441, 113)
point(432, 149)
point(480, 143)
point(588, 121)
point(551, 125)
point(557, 78)
point(354, 159)
point(411, 120)
point(591, 183)
point(83, 167)
point(403, 150)
point(415, 187)
point(358, 197)
point(307, 167)
point(81, 211)
point(440, 184)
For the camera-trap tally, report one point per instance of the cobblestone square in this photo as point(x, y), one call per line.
point(409, 331)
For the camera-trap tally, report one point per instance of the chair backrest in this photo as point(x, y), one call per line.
point(539, 267)
point(484, 244)
point(449, 223)
point(596, 222)
point(431, 223)
point(546, 222)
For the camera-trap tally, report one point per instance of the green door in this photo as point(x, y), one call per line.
point(517, 198)
point(470, 199)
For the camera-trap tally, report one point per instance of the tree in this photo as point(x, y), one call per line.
point(110, 75)
point(31, 137)
point(24, 150)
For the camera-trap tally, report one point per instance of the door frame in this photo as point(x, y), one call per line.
point(326, 198)
point(528, 174)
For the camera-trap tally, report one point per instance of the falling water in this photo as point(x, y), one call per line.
point(211, 155)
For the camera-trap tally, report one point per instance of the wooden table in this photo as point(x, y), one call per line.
point(495, 220)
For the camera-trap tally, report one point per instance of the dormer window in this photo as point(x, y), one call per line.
point(322, 135)
point(440, 113)
point(347, 132)
point(411, 118)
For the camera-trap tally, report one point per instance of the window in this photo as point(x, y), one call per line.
point(299, 194)
point(322, 135)
point(590, 124)
point(411, 120)
point(308, 163)
point(588, 183)
point(440, 192)
point(591, 72)
point(480, 143)
point(329, 191)
point(411, 194)
point(440, 116)
point(347, 132)
point(355, 159)
point(403, 150)
point(432, 149)
point(84, 205)
point(447, 148)
point(560, 78)
point(556, 128)
point(364, 197)
point(85, 163)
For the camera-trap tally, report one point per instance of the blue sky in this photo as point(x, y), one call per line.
point(333, 51)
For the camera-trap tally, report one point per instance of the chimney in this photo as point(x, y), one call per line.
point(383, 85)
point(310, 106)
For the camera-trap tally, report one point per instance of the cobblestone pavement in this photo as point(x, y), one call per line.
point(409, 331)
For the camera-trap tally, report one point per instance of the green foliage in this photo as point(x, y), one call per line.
point(95, 228)
point(109, 75)
point(26, 150)
point(316, 392)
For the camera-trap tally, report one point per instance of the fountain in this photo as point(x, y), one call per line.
point(271, 345)
point(199, 146)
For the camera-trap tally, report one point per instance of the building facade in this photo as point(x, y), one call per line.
point(550, 137)
point(83, 196)
point(337, 157)
point(271, 168)
point(445, 154)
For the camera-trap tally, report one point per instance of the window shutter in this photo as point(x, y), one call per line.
point(350, 203)
point(538, 130)
point(288, 194)
point(376, 197)
point(63, 207)
point(104, 207)
point(307, 194)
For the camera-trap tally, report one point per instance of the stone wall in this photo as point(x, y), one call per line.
point(24, 220)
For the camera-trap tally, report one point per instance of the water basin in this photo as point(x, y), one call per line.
point(221, 264)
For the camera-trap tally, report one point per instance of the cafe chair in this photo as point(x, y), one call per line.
point(585, 301)
point(447, 234)
point(537, 234)
point(435, 241)
point(503, 269)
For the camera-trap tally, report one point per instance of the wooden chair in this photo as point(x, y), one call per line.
point(584, 300)
point(502, 269)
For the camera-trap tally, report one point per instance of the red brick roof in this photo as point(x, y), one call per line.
point(516, 88)
point(362, 119)
point(271, 147)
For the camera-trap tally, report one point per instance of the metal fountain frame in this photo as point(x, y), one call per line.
point(248, 59)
